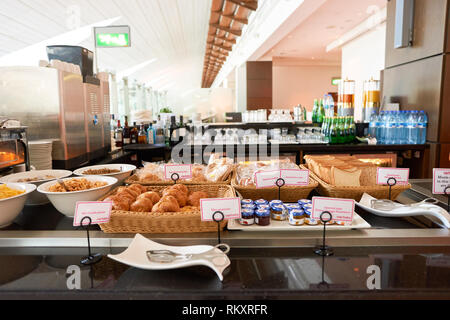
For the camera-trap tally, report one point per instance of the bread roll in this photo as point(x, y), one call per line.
point(194, 198)
point(180, 197)
point(180, 187)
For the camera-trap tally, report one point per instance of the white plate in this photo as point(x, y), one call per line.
point(358, 223)
point(433, 212)
point(136, 256)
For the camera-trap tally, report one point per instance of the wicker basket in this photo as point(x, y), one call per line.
point(356, 193)
point(171, 222)
point(135, 180)
point(287, 194)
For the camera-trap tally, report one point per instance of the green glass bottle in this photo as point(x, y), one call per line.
point(340, 131)
point(347, 138)
point(321, 113)
point(316, 111)
point(352, 130)
point(333, 132)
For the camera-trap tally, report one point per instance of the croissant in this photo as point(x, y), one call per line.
point(142, 205)
point(167, 204)
point(137, 188)
point(180, 187)
point(153, 196)
point(118, 203)
point(194, 198)
point(180, 197)
point(127, 190)
point(125, 195)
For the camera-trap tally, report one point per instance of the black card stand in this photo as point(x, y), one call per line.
point(391, 182)
point(447, 193)
point(280, 184)
point(175, 177)
point(324, 250)
point(218, 217)
point(92, 258)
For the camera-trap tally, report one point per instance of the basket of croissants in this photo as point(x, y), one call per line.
point(162, 209)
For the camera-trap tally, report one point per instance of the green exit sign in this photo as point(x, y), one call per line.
point(335, 81)
point(112, 37)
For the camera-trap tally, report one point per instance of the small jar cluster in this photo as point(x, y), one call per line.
point(262, 212)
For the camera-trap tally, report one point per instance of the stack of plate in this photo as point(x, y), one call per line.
point(41, 154)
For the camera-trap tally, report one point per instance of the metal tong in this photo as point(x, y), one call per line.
point(388, 205)
point(167, 256)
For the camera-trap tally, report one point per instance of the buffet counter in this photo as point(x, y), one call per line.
point(41, 250)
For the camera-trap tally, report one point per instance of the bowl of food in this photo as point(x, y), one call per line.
point(12, 200)
point(64, 197)
point(119, 171)
point(37, 178)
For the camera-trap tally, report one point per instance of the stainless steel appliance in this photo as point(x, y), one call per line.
point(57, 105)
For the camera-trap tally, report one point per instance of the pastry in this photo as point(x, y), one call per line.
point(127, 190)
point(142, 205)
point(194, 198)
point(167, 204)
point(180, 197)
point(181, 188)
point(118, 203)
point(153, 196)
point(138, 188)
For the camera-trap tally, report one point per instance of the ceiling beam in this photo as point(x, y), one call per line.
point(218, 26)
point(232, 17)
point(251, 5)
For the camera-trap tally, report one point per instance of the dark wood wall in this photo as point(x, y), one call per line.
point(259, 85)
point(418, 77)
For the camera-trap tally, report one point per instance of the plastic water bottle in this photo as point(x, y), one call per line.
point(373, 125)
point(401, 127)
point(412, 127)
point(390, 128)
point(423, 124)
point(379, 126)
point(382, 128)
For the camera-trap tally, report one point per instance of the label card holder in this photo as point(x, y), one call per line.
point(184, 171)
point(291, 177)
point(384, 175)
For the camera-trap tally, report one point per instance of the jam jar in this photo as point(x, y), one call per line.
point(310, 221)
point(264, 207)
point(293, 206)
point(247, 201)
point(276, 203)
point(248, 207)
point(247, 217)
point(262, 217)
point(296, 217)
point(279, 213)
point(261, 202)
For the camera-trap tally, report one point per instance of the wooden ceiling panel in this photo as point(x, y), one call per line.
point(228, 18)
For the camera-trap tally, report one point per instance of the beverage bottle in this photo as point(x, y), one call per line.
point(118, 135)
point(401, 124)
point(373, 125)
point(142, 136)
point(423, 124)
point(315, 111)
point(333, 131)
point(412, 126)
point(134, 134)
point(126, 133)
point(390, 128)
point(341, 131)
point(321, 113)
point(383, 124)
point(150, 135)
point(352, 132)
point(346, 129)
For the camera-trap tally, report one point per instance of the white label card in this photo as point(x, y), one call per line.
point(342, 210)
point(99, 212)
point(230, 207)
point(184, 171)
point(399, 174)
point(441, 181)
point(291, 177)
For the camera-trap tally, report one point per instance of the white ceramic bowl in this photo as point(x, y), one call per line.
point(36, 198)
point(10, 208)
point(65, 202)
point(126, 171)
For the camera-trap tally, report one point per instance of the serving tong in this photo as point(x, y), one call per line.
point(389, 205)
point(217, 256)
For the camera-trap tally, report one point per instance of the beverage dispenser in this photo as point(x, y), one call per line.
point(346, 99)
point(372, 100)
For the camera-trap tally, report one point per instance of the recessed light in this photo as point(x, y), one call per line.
point(331, 27)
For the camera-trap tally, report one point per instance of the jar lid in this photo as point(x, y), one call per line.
point(248, 213)
point(279, 208)
point(247, 201)
point(263, 213)
point(261, 201)
point(297, 213)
